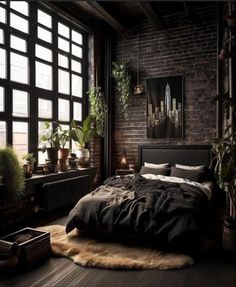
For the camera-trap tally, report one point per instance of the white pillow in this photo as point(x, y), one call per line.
point(153, 165)
point(190, 167)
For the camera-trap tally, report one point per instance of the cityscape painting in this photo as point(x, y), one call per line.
point(165, 107)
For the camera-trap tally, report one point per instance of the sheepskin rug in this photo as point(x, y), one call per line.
point(90, 252)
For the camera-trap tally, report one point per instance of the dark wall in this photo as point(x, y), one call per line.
point(187, 49)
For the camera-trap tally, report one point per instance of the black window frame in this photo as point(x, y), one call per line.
point(34, 92)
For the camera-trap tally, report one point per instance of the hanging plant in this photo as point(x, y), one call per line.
point(123, 84)
point(98, 108)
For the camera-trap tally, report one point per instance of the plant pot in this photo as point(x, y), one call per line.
point(229, 234)
point(64, 153)
point(83, 156)
point(52, 155)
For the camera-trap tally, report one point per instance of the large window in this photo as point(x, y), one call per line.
point(42, 73)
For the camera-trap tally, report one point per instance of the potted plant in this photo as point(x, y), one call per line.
point(11, 172)
point(123, 84)
point(63, 138)
point(28, 166)
point(51, 137)
point(98, 108)
point(224, 150)
point(82, 135)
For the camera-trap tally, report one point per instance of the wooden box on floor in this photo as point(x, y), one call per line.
point(30, 245)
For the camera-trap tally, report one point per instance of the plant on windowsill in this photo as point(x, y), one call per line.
point(82, 135)
point(51, 138)
point(123, 85)
point(98, 108)
point(63, 138)
point(28, 167)
point(11, 173)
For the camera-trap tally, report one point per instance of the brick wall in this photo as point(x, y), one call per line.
point(187, 49)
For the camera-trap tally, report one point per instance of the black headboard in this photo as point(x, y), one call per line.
point(181, 154)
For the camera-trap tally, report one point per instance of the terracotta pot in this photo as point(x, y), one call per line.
point(64, 153)
point(83, 156)
point(52, 155)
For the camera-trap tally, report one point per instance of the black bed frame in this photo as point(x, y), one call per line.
point(180, 154)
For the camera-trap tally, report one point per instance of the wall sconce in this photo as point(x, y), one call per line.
point(123, 161)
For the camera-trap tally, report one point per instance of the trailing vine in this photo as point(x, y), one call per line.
point(123, 84)
point(98, 108)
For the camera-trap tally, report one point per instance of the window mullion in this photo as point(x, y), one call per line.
point(33, 127)
point(55, 69)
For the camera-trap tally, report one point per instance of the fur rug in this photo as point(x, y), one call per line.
point(92, 253)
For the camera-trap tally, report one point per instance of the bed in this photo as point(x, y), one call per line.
point(164, 203)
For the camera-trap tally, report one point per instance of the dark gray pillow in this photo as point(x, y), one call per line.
point(193, 175)
point(156, 171)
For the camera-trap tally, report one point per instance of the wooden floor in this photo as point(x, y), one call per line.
point(211, 272)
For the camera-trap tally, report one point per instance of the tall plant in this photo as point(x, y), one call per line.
point(11, 171)
point(98, 108)
point(123, 84)
point(224, 150)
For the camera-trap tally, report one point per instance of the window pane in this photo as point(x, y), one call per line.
point(44, 35)
point(2, 15)
point(76, 66)
point(3, 135)
point(44, 19)
point(44, 109)
point(18, 43)
point(43, 76)
point(76, 51)
point(63, 30)
point(63, 61)
point(2, 99)
point(42, 131)
point(63, 82)
point(76, 86)
point(3, 2)
point(20, 137)
point(19, 68)
point(77, 37)
point(20, 6)
point(19, 23)
point(77, 108)
point(20, 103)
point(63, 110)
point(2, 63)
point(63, 45)
point(1, 37)
point(43, 53)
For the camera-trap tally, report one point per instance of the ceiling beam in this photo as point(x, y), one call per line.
point(106, 16)
point(151, 14)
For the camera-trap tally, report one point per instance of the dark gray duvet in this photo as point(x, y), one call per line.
point(162, 211)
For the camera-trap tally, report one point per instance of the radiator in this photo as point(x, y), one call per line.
point(63, 193)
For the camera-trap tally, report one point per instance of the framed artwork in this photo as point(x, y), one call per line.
point(165, 107)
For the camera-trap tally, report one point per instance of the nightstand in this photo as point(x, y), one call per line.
point(124, 171)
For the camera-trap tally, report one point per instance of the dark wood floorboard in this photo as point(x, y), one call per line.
point(62, 272)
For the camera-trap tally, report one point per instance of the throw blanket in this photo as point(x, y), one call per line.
point(164, 211)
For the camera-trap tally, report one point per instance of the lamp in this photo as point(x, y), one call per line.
point(138, 89)
point(123, 161)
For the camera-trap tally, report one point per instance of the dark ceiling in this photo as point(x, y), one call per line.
point(124, 15)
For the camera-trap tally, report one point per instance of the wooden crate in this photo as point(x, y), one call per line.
point(30, 251)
